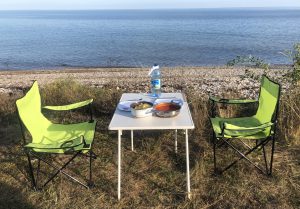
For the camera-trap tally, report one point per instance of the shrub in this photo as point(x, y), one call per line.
point(294, 56)
point(248, 61)
point(296, 62)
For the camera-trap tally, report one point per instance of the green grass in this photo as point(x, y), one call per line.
point(153, 175)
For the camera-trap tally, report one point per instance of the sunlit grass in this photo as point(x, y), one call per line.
point(153, 175)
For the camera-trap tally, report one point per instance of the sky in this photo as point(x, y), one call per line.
point(139, 4)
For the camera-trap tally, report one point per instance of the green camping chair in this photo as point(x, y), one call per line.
point(260, 127)
point(50, 138)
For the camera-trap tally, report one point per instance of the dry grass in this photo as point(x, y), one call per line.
point(290, 116)
point(153, 176)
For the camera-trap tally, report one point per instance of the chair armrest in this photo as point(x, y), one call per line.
point(232, 127)
point(231, 101)
point(58, 145)
point(70, 106)
point(233, 130)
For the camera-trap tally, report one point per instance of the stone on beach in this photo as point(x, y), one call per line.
point(202, 80)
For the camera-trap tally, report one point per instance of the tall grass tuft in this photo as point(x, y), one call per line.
point(289, 116)
point(69, 91)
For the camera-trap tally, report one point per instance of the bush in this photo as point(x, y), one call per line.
point(248, 61)
point(296, 62)
point(294, 56)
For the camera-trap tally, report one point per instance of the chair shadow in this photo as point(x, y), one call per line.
point(10, 139)
point(12, 198)
point(15, 157)
point(10, 133)
point(102, 183)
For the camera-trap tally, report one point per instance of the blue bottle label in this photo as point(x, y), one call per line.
point(155, 83)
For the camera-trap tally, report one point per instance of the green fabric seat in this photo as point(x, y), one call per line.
point(51, 138)
point(46, 135)
point(267, 109)
point(260, 127)
point(65, 138)
point(248, 127)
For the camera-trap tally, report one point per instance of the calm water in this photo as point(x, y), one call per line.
point(53, 39)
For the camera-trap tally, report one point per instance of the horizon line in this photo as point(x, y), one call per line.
point(167, 8)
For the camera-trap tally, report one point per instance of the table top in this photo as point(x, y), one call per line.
point(125, 121)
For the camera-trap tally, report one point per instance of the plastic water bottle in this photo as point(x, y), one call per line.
point(155, 75)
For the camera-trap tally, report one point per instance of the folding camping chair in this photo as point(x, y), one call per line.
point(50, 138)
point(260, 127)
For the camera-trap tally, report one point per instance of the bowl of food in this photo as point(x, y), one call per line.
point(166, 109)
point(141, 109)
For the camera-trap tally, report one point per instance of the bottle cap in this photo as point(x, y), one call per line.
point(155, 67)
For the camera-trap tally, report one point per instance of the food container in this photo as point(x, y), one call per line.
point(141, 109)
point(166, 109)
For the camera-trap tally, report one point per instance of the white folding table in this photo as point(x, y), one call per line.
point(125, 121)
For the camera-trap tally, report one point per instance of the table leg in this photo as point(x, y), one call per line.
point(132, 140)
point(176, 141)
point(119, 164)
point(187, 163)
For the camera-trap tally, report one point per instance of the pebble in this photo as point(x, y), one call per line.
point(203, 80)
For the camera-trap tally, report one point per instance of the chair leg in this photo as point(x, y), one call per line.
point(265, 159)
point(269, 168)
point(90, 183)
point(60, 169)
point(214, 150)
point(272, 154)
point(37, 173)
point(31, 171)
point(244, 155)
point(90, 166)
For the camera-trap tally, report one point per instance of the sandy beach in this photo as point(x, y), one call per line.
point(204, 80)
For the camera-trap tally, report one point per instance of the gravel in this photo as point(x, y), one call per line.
point(202, 80)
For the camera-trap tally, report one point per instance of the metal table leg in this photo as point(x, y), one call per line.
point(176, 141)
point(132, 149)
point(119, 163)
point(187, 163)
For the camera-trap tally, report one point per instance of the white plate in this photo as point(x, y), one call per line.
point(175, 100)
point(125, 105)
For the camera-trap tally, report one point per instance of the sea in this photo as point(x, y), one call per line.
point(140, 38)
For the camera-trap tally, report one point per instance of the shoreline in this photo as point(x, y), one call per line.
point(66, 68)
point(204, 80)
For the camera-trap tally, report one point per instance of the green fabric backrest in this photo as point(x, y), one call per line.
point(268, 100)
point(29, 109)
